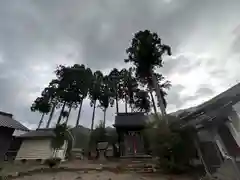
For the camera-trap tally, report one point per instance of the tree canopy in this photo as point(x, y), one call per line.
point(134, 86)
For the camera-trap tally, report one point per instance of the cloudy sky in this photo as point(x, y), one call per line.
point(37, 35)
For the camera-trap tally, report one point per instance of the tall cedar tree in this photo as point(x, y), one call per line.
point(145, 53)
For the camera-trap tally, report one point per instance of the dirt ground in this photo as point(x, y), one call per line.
point(84, 170)
point(94, 175)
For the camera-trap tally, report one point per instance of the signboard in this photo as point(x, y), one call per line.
point(102, 145)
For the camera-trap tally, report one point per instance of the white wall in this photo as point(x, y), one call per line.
point(35, 149)
point(39, 149)
point(234, 123)
point(61, 153)
point(235, 117)
point(18, 132)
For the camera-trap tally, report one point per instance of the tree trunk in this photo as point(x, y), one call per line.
point(117, 109)
point(79, 113)
point(41, 121)
point(153, 101)
point(131, 107)
point(51, 115)
point(93, 115)
point(126, 109)
point(90, 139)
point(159, 97)
point(60, 116)
point(104, 117)
point(69, 111)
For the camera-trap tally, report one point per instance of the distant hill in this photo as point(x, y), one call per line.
point(82, 135)
point(81, 129)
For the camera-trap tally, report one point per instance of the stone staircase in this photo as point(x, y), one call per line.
point(139, 165)
point(226, 172)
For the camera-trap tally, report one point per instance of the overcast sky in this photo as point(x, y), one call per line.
point(36, 35)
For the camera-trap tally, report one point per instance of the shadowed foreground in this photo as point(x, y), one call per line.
point(97, 175)
point(85, 170)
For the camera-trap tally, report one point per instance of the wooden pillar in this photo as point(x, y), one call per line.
point(196, 143)
point(214, 134)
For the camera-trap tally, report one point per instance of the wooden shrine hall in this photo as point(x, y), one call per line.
point(129, 128)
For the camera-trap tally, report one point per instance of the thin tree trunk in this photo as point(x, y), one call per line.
point(51, 115)
point(41, 121)
point(104, 117)
point(131, 107)
point(79, 113)
point(153, 101)
point(90, 140)
point(126, 109)
point(93, 115)
point(69, 111)
point(117, 109)
point(159, 97)
point(60, 116)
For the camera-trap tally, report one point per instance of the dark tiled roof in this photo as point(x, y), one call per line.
point(214, 106)
point(130, 119)
point(39, 133)
point(6, 120)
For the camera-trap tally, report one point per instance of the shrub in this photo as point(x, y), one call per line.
point(173, 148)
point(23, 161)
point(52, 162)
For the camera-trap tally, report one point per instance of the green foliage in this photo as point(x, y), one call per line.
point(107, 96)
point(146, 52)
point(41, 104)
point(142, 101)
point(52, 162)
point(95, 87)
point(128, 86)
point(73, 84)
point(65, 114)
point(62, 133)
point(174, 148)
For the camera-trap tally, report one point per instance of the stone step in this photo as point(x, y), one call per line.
point(140, 165)
point(141, 170)
point(136, 161)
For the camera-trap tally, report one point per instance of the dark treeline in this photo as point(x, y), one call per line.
point(134, 86)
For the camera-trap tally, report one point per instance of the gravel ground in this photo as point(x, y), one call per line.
point(84, 170)
point(97, 176)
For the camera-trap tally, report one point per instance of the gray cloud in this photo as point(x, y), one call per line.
point(35, 36)
point(202, 92)
point(205, 91)
point(174, 97)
